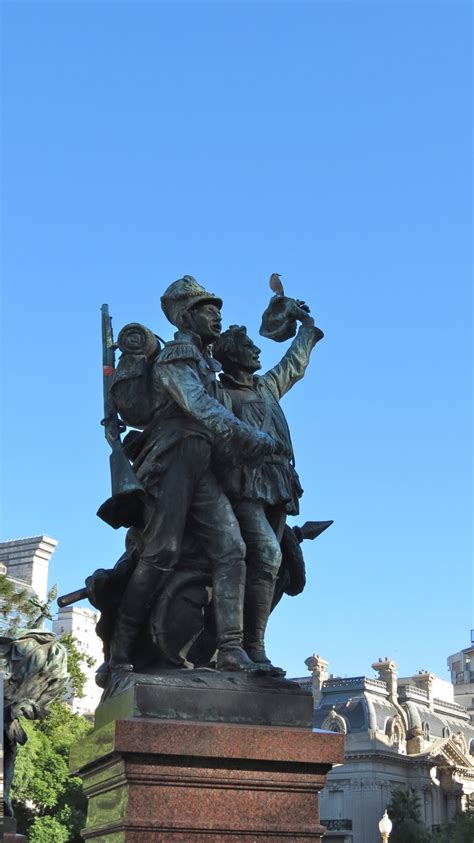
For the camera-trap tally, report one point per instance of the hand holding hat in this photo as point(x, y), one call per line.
point(279, 321)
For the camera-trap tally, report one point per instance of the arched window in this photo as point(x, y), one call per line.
point(395, 731)
point(426, 731)
point(396, 735)
point(446, 732)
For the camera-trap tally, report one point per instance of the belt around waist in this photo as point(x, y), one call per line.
point(277, 459)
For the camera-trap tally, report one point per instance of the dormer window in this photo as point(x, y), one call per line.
point(335, 723)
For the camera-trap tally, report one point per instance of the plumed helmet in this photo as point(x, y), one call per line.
point(184, 294)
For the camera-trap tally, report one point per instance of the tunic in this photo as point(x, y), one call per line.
point(275, 482)
point(185, 404)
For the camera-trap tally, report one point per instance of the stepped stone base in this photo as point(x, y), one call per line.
point(206, 695)
point(150, 780)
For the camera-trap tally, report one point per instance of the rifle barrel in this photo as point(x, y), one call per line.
point(72, 597)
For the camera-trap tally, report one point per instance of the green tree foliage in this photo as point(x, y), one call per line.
point(410, 831)
point(20, 608)
point(77, 659)
point(461, 830)
point(404, 811)
point(404, 804)
point(40, 771)
point(16, 609)
point(47, 829)
point(42, 787)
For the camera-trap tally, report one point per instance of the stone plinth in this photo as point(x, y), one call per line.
point(9, 835)
point(208, 695)
point(150, 780)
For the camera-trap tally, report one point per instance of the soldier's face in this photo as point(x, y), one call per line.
point(248, 355)
point(205, 320)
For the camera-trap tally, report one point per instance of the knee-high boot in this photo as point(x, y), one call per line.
point(133, 612)
point(228, 602)
point(258, 604)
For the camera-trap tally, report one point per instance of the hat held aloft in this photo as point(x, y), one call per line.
point(278, 320)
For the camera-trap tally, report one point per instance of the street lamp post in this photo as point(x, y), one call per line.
point(385, 827)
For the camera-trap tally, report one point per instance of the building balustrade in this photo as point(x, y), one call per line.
point(337, 825)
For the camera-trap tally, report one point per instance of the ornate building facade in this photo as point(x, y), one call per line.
point(399, 732)
point(461, 666)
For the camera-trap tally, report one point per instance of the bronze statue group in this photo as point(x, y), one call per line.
point(208, 552)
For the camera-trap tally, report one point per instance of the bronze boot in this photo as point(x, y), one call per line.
point(258, 604)
point(133, 613)
point(228, 601)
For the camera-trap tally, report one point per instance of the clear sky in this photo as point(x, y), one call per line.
point(326, 141)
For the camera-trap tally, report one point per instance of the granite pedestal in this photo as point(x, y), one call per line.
point(8, 829)
point(163, 778)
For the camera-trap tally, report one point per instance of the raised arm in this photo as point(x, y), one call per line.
point(293, 364)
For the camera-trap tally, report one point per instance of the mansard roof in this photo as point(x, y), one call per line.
point(366, 706)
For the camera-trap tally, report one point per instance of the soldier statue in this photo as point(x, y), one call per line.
point(174, 466)
point(204, 480)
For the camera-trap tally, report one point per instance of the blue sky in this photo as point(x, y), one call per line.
point(326, 141)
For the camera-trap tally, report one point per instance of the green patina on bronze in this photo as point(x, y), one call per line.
point(34, 668)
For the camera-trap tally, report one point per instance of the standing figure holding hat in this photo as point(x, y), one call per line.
point(263, 495)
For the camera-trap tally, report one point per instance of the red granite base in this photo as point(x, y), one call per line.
point(154, 780)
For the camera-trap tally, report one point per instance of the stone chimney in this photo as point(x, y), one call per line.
point(425, 680)
point(387, 671)
point(319, 668)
